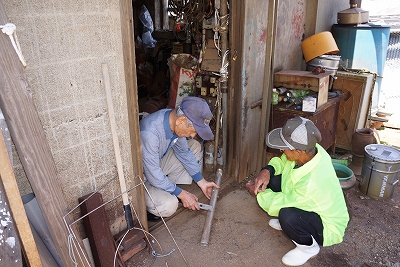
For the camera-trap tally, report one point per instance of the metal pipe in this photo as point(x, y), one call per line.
point(210, 214)
point(224, 82)
point(157, 15)
point(36, 219)
point(217, 127)
point(165, 18)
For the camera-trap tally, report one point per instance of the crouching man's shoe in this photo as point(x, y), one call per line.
point(301, 254)
point(153, 218)
point(274, 223)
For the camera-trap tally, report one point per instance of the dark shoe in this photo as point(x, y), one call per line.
point(153, 218)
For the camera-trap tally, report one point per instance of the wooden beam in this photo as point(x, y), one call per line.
point(268, 76)
point(31, 143)
point(128, 44)
point(11, 193)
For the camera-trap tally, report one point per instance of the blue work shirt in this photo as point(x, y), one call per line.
point(157, 138)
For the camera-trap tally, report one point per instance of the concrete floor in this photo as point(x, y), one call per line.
point(240, 235)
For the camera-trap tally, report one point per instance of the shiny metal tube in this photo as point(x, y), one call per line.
point(210, 214)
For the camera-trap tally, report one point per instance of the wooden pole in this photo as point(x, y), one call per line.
point(111, 115)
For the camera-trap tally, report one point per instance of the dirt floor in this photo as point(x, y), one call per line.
point(240, 234)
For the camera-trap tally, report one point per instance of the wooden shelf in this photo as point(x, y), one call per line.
point(325, 118)
point(305, 80)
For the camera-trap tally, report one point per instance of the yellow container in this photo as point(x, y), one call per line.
point(319, 44)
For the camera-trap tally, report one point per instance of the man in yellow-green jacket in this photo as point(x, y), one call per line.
point(302, 190)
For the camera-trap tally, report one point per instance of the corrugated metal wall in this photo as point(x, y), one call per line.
point(390, 93)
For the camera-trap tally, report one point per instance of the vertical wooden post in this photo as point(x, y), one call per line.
point(128, 44)
point(268, 76)
point(31, 143)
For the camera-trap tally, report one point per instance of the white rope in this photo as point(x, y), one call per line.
point(216, 30)
point(224, 65)
point(9, 29)
point(223, 71)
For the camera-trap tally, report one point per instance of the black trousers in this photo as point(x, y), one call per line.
point(298, 225)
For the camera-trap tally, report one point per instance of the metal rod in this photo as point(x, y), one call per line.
point(217, 127)
point(224, 84)
point(165, 18)
point(210, 214)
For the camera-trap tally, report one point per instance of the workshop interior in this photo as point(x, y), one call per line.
point(79, 78)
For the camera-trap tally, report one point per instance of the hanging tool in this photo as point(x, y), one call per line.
point(211, 208)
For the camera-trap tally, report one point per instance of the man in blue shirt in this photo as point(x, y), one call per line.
point(171, 156)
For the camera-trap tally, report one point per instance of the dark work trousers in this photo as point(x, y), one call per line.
point(297, 224)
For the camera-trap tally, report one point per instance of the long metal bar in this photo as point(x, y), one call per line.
point(224, 83)
point(210, 214)
point(218, 125)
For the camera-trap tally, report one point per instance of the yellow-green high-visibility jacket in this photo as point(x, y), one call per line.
point(312, 187)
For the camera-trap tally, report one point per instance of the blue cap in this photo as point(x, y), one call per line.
point(198, 112)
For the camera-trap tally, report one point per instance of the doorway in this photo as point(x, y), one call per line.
point(181, 50)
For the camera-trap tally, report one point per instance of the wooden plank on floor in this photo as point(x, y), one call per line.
point(10, 252)
point(10, 249)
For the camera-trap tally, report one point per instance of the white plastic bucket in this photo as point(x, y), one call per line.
point(380, 170)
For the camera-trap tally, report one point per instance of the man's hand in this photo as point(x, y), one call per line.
point(261, 181)
point(207, 187)
point(189, 200)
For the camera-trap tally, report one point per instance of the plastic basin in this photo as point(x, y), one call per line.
point(319, 44)
point(343, 173)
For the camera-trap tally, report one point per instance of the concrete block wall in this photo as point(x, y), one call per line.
point(64, 43)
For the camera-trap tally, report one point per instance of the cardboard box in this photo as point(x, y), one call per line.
point(309, 104)
point(177, 49)
point(211, 60)
point(305, 80)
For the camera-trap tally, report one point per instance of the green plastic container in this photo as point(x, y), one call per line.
point(340, 161)
point(343, 173)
